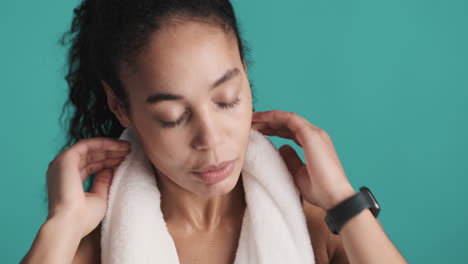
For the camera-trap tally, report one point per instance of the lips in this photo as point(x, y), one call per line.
point(220, 172)
point(211, 168)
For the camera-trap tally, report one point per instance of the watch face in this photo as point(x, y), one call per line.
point(375, 210)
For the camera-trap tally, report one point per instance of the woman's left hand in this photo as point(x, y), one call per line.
point(321, 180)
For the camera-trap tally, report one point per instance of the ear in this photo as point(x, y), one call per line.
point(244, 63)
point(116, 106)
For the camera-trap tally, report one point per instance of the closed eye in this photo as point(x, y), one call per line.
point(184, 116)
point(226, 106)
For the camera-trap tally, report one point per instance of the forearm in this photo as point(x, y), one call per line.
point(365, 241)
point(56, 242)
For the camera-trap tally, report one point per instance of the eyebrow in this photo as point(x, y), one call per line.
point(159, 97)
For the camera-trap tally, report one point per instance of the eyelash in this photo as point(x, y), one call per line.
point(230, 105)
point(180, 120)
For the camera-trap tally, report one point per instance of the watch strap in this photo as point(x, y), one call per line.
point(340, 214)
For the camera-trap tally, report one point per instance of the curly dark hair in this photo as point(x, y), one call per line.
point(105, 33)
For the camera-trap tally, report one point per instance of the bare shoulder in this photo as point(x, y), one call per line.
point(89, 250)
point(328, 247)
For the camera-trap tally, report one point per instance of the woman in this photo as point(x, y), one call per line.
point(177, 72)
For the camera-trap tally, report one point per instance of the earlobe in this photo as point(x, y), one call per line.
point(116, 106)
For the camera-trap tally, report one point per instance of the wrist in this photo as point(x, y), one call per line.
point(66, 225)
point(57, 242)
point(338, 197)
point(69, 221)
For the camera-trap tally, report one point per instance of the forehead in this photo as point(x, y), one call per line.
point(182, 56)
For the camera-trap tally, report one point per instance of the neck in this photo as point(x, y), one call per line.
point(197, 213)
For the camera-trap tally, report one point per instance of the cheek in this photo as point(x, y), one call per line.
point(236, 123)
point(245, 114)
point(239, 125)
point(165, 152)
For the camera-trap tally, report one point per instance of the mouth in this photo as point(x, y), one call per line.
point(213, 167)
point(215, 173)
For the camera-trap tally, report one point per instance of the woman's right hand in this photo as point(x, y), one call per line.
point(68, 170)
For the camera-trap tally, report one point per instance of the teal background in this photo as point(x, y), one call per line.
point(388, 80)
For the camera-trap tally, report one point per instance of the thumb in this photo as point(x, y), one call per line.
point(102, 183)
point(292, 160)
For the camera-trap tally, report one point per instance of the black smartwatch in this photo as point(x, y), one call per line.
point(350, 207)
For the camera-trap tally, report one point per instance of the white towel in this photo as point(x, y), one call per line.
point(273, 229)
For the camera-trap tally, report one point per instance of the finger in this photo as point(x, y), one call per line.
point(277, 119)
point(292, 160)
point(265, 128)
point(85, 146)
point(98, 166)
point(295, 165)
point(259, 126)
point(283, 133)
point(102, 183)
point(97, 156)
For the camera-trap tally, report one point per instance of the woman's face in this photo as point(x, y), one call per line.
point(191, 103)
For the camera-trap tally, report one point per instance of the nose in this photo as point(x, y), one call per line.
point(208, 132)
